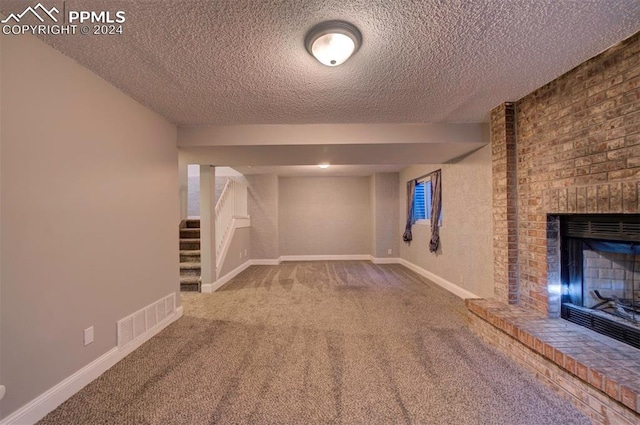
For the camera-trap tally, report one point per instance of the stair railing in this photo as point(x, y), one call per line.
point(232, 204)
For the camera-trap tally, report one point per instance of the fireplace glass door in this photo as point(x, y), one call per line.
point(601, 284)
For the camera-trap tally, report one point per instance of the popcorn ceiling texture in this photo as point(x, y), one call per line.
point(244, 62)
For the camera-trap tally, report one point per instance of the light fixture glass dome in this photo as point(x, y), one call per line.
point(333, 42)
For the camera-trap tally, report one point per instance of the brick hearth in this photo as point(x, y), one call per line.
point(571, 146)
point(598, 375)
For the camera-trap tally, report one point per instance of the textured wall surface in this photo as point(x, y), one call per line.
point(263, 209)
point(183, 186)
point(193, 196)
point(239, 251)
point(385, 215)
point(220, 182)
point(325, 215)
point(466, 256)
point(578, 147)
point(193, 190)
point(89, 215)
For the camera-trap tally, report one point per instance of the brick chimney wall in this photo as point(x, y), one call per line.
point(571, 146)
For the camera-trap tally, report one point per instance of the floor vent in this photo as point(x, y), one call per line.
point(140, 322)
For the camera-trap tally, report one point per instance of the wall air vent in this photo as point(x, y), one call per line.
point(618, 227)
point(144, 320)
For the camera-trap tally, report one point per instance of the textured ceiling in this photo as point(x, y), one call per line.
point(425, 61)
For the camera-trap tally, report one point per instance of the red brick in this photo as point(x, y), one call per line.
point(629, 398)
point(577, 151)
point(612, 388)
point(596, 379)
point(582, 371)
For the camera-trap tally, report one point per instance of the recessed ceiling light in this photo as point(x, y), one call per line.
point(333, 42)
point(323, 166)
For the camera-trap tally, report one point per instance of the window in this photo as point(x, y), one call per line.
point(422, 202)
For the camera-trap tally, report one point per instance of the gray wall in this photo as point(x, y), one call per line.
point(89, 215)
point(384, 187)
point(239, 251)
point(193, 193)
point(193, 196)
point(220, 182)
point(1, 239)
point(183, 186)
point(263, 210)
point(325, 215)
point(467, 227)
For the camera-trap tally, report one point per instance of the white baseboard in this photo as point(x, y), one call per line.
point(325, 257)
point(390, 260)
point(208, 288)
point(451, 287)
point(266, 262)
point(39, 407)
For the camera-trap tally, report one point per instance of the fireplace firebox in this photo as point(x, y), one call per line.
point(600, 273)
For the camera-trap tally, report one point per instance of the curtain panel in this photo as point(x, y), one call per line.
point(436, 208)
point(411, 187)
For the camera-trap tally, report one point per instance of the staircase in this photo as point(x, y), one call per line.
point(190, 255)
point(230, 214)
point(230, 210)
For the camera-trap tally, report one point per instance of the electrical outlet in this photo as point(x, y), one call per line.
point(88, 336)
point(461, 278)
point(245, 252)
point(389, 251)
point(240, 254)
point(3, 391)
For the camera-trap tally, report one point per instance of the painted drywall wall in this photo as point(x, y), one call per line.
point(263, 210)
point(221, 181)
point(1, 132)
point(385, 215)
point(89, 215)
point(372, 200)
point(325, 215)
point(331, 134)
point(193, 196)
point(183, 186)
point(208, 256)
point(466, 254)
point(239, 251)
point(190, 186)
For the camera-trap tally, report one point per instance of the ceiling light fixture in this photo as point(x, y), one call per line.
point(333, 42)
point(323, 166)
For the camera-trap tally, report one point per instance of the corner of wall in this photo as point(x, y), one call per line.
point(183, 186)
point(2, 389)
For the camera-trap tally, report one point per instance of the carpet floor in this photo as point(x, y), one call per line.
point(343, 342)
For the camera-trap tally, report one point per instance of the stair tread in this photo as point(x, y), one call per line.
point(189, 279)
point(189, 252)
point(189, 239)
point(188, 265)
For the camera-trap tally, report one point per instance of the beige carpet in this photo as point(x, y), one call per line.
point(316, 343)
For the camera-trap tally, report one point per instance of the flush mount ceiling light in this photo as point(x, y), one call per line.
point(323, 166)
point(333, 42)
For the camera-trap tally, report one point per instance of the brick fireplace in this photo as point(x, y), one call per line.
point(570, 147)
